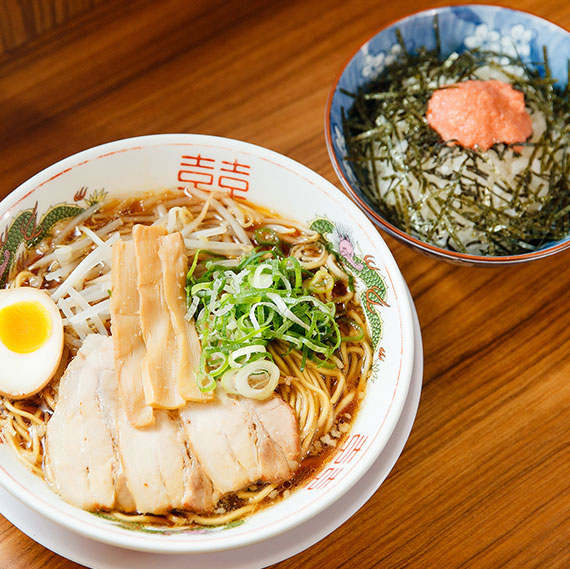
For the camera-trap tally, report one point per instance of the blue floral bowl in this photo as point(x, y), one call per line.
point(461, 28)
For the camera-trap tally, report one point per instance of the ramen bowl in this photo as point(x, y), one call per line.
point(445, 31)
point(245, 171)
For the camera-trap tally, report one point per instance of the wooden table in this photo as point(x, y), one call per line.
point(484, 480)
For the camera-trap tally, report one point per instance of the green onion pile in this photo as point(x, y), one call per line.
point(239, 310)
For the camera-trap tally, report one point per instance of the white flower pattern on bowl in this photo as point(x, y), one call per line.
point(513, 43)
point(341, 143)
point(375, 64)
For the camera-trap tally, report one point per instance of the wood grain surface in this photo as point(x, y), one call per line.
point(484, 480)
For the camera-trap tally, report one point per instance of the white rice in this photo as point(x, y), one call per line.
point(498, 178)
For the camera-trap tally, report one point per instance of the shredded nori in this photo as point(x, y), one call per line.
point(390, 143)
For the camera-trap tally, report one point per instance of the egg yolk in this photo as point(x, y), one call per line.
point(24, 326)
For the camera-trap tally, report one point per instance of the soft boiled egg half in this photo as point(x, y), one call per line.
point(31, 341)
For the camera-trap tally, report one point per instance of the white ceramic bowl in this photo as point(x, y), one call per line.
point(173, 161)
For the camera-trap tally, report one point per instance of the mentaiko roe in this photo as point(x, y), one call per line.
point(479, 114)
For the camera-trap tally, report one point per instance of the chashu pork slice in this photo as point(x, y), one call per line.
point(235, 448)
point(222, 440)
point(154, 461)
point(278, 440)
point(101, 358)
point(201, 496)
point(99, 461)
point(157, 471)
point(79, 447)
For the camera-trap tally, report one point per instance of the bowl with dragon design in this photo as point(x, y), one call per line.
point(245, 172)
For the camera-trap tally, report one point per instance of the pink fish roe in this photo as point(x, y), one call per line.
point(479, 114)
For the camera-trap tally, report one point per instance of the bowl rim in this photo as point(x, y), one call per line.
point(381, 222)
point(152, 543)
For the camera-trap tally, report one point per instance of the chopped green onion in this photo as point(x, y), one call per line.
point(322, 282)
point(206, 383)
point(228, 381)
point(262, 276)
point(261, 300)
point(215, 369)
point(257, 380)
point(193, 265)
point(244, 352)
point(266, 236)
